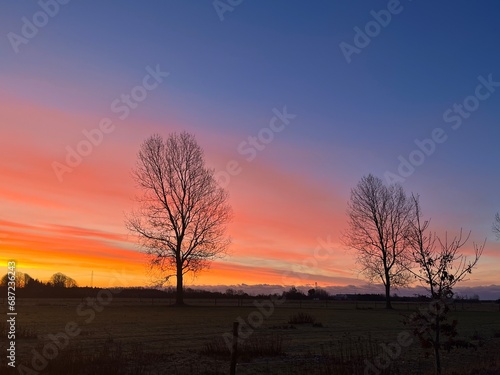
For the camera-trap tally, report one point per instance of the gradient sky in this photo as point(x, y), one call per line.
point(225, 79)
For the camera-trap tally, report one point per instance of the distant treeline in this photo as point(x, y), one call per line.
point(33, 288)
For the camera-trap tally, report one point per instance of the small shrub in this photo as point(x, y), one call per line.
point(301, 318)
point(476, 336)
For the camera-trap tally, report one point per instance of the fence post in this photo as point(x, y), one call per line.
point(234, 349)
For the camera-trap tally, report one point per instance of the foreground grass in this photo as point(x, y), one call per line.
point(134, 337)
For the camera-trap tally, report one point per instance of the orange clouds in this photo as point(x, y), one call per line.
point(76, 227)
point(44, 250)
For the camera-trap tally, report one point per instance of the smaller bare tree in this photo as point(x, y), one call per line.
point(440, 265)
point(60, 280)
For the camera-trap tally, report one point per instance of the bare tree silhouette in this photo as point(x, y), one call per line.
point(181, 222)
point(440, 266)
point(21, 279)
point(380, 217)
point(60, 280)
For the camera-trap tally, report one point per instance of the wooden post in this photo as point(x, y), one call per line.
point(234, 349)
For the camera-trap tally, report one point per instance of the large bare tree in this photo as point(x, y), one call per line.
point(181, 222)
point(380, 217)
point(440, 265)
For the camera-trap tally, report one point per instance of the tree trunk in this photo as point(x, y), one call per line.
point(437, 344)
point(179, 296)
point(388, 304)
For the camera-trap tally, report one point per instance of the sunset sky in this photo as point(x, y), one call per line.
point(226, 73)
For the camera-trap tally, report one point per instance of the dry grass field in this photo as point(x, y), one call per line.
point(130, 336)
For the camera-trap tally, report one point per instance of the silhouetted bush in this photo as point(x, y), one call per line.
point(301, 318)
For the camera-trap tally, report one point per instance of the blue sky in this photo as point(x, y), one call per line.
point(227, 75)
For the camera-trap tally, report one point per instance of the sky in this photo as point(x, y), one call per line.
point(293, 103)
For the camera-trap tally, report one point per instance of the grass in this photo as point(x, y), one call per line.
point(348, 355)
point(134, 337)
point(22, 332)
point(258, 345)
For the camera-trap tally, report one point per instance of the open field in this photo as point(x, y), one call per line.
point(149, 337)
